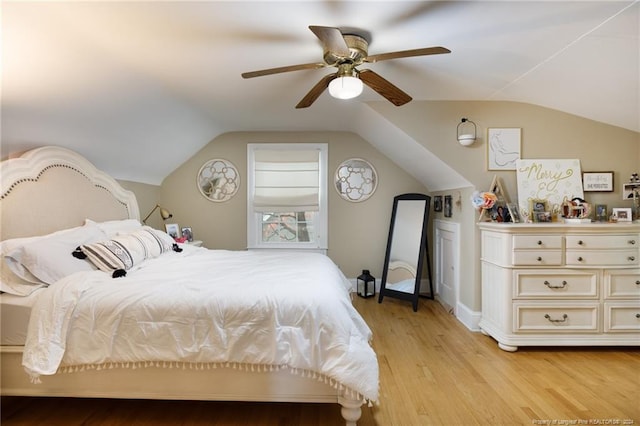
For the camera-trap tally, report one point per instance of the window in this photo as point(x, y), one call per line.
point(287, 195)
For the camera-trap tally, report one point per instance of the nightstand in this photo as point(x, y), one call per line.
point(197, 243)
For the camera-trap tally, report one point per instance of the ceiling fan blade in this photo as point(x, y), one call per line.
point(407, 53)
point(385, 88)
point(283, 69)
point(331, 39)
point(316, 91)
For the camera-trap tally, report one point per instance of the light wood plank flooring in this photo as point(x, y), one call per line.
point(433, 371)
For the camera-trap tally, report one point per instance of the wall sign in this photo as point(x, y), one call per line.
point(551, 180)
point(597, 181)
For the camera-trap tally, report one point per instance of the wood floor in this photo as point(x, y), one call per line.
point(433, 371)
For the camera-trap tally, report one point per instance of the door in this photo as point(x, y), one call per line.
point(447, 256)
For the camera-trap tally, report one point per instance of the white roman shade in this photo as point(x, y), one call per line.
point(286, 180)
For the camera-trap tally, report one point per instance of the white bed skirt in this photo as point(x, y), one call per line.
point(177, 383)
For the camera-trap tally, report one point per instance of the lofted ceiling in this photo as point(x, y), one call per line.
point(139, 87)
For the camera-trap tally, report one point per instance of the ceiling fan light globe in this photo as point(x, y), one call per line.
point(346, 87)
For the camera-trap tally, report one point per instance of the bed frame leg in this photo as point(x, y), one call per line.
point(351, 410)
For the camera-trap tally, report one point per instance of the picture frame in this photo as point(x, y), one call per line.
point(500, 213)
point(437, 203)
point(623, 214)
point(539, 210)
point(514, 212)
point(172, 229)
point(187, 233)
point(447, 206)
point(503, 148)
point(597, 181)
point(538, 205)
point(628, 190)
point(601, 213)
point(541, 216)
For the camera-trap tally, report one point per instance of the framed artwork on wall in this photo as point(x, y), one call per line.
point(597, 181)
point(437, 203)
point(503, 148)
point(447, 206)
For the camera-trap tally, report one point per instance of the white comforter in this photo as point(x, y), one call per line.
point(208, 306)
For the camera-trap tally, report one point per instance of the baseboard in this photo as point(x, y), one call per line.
point(469, 318)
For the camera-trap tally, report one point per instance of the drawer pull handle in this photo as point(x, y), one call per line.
point(632, 242)
point(580, 259)
point(638, 282)
point(580, 242)
point(564, 318)
point(638, 316)
point(631, 258)
point(548, 284)
point(539, 242)
point(539, 259)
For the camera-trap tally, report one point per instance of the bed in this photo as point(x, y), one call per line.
point(171, 322)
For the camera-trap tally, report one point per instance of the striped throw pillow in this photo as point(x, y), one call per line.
point(123, 252)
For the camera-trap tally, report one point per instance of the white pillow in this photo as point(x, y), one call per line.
point(9, 281)
point(117, 227)
point(48, 258)
point(13, 284)
point(123, 252)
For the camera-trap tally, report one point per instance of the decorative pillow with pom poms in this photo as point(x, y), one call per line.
point(123, 252)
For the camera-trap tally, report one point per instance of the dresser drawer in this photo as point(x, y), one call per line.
point(602, 257)
point(627, 241)
point(555, 284)
point(621, 317)
point(537, 241)
point(622, 284)
point(537, 257)
point(556, 318)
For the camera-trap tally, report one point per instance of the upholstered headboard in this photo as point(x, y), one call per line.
point(52, 188)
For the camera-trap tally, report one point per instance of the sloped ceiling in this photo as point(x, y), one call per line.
point(139, 87)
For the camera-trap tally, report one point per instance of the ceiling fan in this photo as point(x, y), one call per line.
point(346, 51)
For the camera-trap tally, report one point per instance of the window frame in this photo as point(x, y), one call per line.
point(254, 218)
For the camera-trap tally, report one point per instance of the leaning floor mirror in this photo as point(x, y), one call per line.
point(407, 248)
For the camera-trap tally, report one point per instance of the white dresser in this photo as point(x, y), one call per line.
point(556, 284)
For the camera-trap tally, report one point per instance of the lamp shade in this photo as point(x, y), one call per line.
point(463, 132)
point(345, 87)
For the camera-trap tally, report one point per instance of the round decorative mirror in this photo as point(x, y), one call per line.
point(355, 179)
point(218, 180)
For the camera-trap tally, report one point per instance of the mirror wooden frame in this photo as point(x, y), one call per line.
point(423, 252)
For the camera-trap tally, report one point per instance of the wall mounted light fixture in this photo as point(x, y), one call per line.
point(466, 132)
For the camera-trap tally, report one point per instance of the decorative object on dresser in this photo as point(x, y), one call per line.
point(631, 191)
point(551, 180)
point(622, 214)
point(355, 180)
point(493, 202)
point(503, 148)
point(561, 285)
point(218, 180)
point(601, 212)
